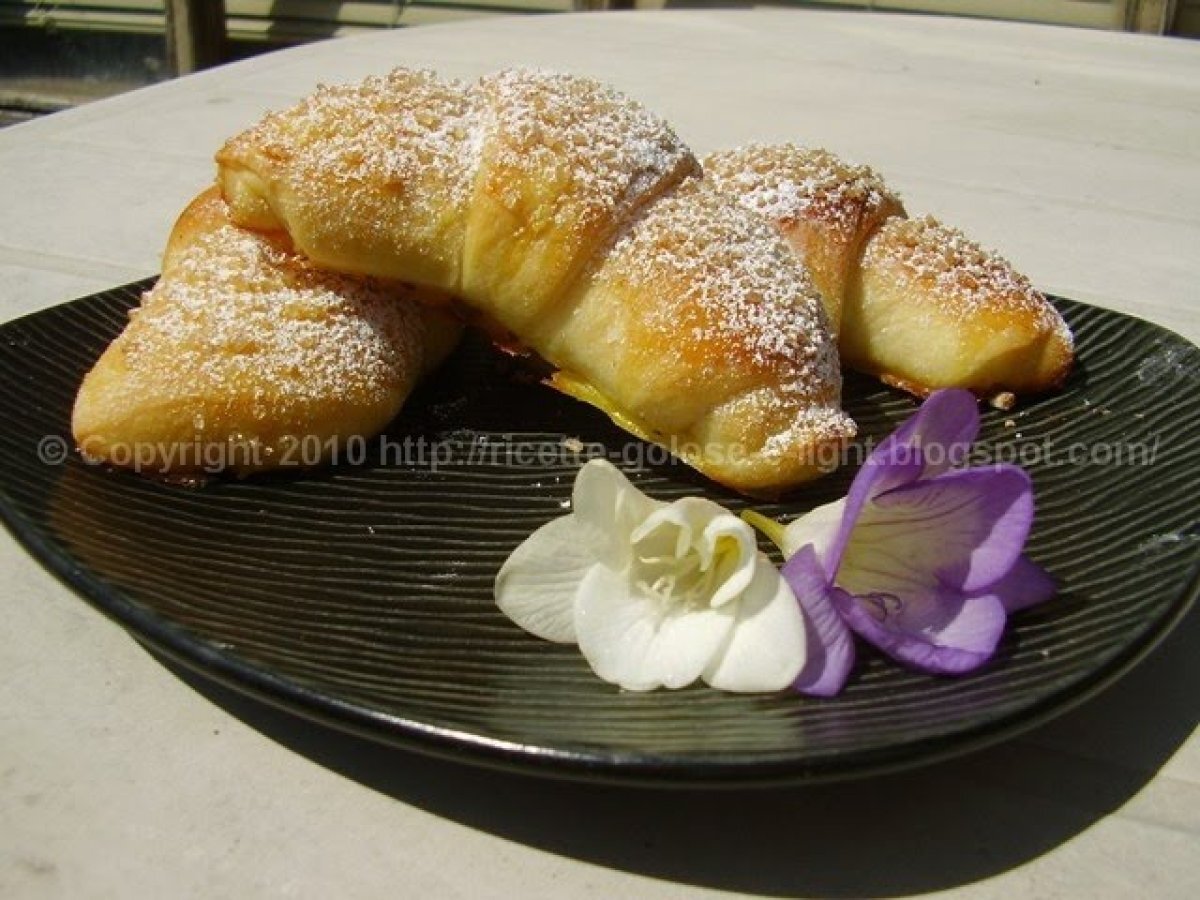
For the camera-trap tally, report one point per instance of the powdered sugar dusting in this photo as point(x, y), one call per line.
point(606, 153)
point(744, 299)
point(822, 426)
point(786, 183)
point(239, 313)
point(965, 277)
point(406, 143)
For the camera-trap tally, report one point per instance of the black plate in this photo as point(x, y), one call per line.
point(361, 595)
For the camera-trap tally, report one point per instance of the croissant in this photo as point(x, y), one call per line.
point(913, 301)
point(571, 221)
point(244, 357)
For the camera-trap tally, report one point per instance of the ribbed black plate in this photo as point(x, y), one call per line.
point(361, 595)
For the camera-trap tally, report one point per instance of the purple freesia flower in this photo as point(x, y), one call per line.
point(921, 558)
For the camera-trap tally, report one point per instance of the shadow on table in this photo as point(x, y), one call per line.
point(926, 830)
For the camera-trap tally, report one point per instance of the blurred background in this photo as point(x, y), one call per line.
point(54, 55)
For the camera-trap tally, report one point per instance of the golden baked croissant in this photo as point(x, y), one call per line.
point(244, 357)
point(571, 219)
point(913, 301)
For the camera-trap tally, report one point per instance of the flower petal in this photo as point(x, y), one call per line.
point(942, 632)
point(694, 538)
point(695, 523)
point(537, 584)
point(817, 527)
point(964, 529)
point(639, 642)
point(941, 432)
point(1027, 584)
point(766, 647)
point(935, 438)
point(606, 500)
point(829, 652)
point(730, 550)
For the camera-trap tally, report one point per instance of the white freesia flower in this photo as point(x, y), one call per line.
point(655, 594)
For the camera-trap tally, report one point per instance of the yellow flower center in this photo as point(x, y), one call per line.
point(678, 570)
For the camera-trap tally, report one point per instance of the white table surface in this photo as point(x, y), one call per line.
point(1075, 152)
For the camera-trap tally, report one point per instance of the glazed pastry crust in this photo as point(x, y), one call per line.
point(369, 181)
point(244, 357)
point(917, 303)
point(930, 308)
point(824, 207)
point(712, 356)
point(582, 230)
